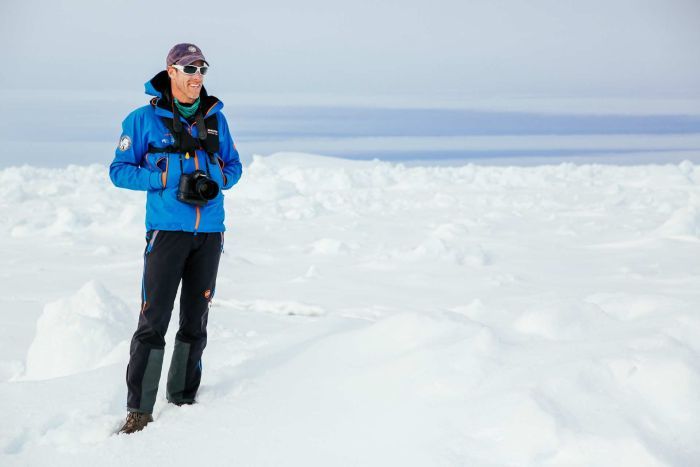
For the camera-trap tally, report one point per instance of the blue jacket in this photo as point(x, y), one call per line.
point(158, 173)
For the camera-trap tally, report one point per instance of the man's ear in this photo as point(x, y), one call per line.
point(171, 72)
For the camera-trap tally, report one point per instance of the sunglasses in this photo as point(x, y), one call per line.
point(192, 69)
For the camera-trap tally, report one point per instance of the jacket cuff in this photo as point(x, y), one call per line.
point(231, 180)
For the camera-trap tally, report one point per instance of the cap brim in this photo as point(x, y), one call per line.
point(190, 59)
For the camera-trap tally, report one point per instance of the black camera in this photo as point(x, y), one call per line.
point(197, 188)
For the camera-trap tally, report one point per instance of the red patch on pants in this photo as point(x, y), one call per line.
point(207, 294)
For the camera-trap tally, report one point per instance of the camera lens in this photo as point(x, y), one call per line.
point(207, 188)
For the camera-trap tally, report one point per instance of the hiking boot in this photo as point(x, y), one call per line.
point(135, 422)
point(181, 403)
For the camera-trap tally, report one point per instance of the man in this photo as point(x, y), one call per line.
point(179, 150)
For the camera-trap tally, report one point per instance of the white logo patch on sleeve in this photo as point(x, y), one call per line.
point(124, 143)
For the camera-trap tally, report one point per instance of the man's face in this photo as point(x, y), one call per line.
point(186, 88)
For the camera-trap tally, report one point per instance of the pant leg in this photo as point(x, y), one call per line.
point(198, 287)
point(164, 260)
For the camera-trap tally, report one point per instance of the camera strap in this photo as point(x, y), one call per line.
point(203, 136)
point(183, 142)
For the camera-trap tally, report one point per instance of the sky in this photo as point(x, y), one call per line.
point(548, 48)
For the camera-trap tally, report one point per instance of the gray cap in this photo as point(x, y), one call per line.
point(184, 54)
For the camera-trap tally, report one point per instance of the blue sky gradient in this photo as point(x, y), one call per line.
point(629, 48)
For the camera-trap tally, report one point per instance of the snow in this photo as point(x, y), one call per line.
point(79, 333)
point(369, 313)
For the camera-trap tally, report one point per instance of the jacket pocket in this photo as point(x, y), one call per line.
point(163, 164)
point(220, 163)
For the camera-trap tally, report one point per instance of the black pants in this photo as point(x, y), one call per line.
point(170, 257)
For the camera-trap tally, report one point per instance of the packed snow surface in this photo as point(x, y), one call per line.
point(369, 314)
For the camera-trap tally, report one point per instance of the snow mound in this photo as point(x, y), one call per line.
point(72, 202)
point(627, 307)
point(562, 320)
point(447, 242)
point(683, 223)
point(82, 332)
point(329, 246)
